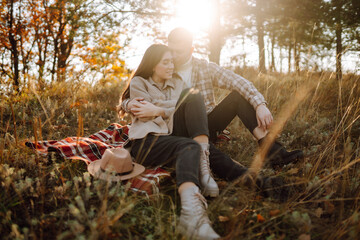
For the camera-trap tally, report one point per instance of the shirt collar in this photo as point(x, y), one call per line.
point(168, 83)
point(185, 66)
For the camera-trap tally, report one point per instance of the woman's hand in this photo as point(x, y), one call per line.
point(263, 116)
point(144, 109)
point(133, 101)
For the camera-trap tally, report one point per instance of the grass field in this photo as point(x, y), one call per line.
point(62, 201)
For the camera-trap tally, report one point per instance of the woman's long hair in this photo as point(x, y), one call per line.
point(151, 58)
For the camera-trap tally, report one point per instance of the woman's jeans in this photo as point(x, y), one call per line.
point(179, 150)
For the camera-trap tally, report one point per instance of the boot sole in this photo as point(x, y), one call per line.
point(190, 235)
point(211, 193)
point(185, 231)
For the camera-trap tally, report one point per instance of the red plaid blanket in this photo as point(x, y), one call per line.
point(92, 148)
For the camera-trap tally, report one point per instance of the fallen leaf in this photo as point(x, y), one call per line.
point(293, 171)
point(274, 212)
point(282, 237)
point(75, 104)
point(329, 207)
point(304, 237)
point(57, 127)
point(318, 212)
point(223, 218)
point(222, 184)
point(260, 218)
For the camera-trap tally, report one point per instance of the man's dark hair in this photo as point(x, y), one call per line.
point(181, 35)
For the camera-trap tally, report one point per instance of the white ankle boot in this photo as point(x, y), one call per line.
point(194, 222)
point(208, 184)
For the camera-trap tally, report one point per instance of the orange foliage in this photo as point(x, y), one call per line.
point(274, 212)
point(105, 57)
point(260, 218)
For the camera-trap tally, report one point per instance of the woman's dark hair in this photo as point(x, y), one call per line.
point(151, 58)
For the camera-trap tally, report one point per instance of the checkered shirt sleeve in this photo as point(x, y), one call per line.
point(210, 75)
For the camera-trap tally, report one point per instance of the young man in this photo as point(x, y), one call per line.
point(245, 101)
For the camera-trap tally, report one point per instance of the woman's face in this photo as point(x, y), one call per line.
point(165, 68)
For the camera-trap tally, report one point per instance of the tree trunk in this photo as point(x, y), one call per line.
point(14, 50)
point(260, 36)
point(338, 33)
point(273, 68)
point(244, 52)
point(64, 53)
point(338, 51)
point(289, 59)
point(42, 42)
point(296, 57)
point(56, 50)
point(215, 35)
point(15, 61)
point(281, 59)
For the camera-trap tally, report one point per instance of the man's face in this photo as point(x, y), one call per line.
point(181, 52)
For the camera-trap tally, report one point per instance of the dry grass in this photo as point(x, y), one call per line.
point(61, 200)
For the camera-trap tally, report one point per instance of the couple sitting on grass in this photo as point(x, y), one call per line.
point(174, 120)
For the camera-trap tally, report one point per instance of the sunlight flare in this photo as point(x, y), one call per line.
point(194, 15)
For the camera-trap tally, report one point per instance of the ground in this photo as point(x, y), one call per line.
point(62, 201)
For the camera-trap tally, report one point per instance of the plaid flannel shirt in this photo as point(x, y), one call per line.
point(205, 76)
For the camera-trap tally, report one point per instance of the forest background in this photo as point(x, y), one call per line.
point(63, 66)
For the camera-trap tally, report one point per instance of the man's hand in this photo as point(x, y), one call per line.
point(144, 109)
point(263, 116)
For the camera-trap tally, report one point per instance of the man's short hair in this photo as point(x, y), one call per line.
point(181, 35)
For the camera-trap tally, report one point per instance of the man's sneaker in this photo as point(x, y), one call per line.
point(274, 187)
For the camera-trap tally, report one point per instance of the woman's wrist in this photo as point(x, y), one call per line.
point(160, 112)
point(124, 105)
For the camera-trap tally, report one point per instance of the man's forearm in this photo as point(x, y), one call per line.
point(227, 79)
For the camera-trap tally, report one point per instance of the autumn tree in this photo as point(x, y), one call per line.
point(343, 19)
point(103, 60)
point(13, 42)
point(38, 37)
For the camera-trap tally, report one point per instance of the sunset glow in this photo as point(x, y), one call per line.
point(194, 15)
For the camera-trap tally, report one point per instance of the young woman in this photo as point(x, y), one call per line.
point(169, 128)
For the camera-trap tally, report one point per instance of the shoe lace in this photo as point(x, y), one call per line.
point(200, 208)
point(202, 200)
point(204, 164)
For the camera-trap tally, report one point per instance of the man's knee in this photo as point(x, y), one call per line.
point(236, 96)
point(190, 95)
